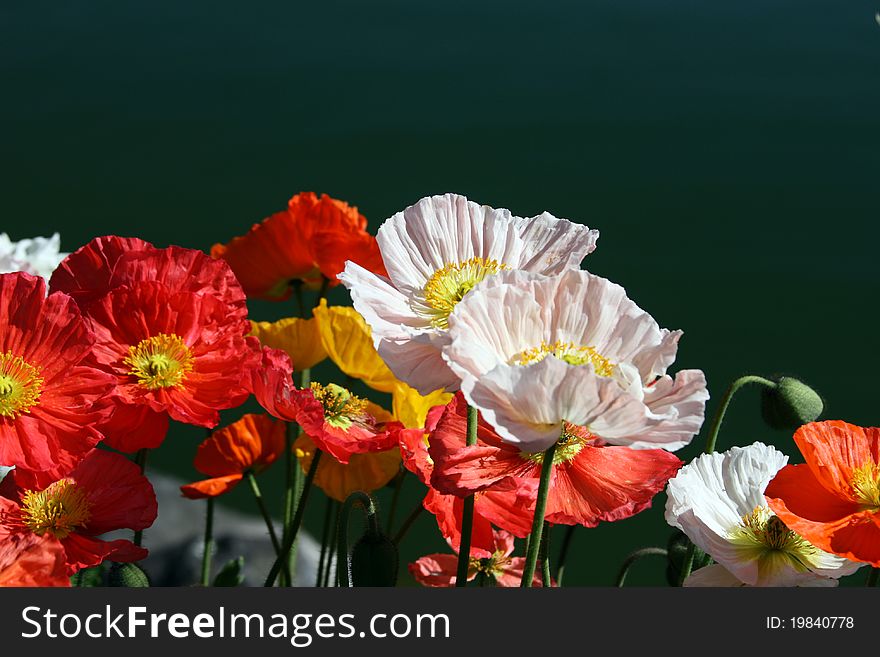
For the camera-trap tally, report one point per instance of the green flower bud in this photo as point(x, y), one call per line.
point(231, 574)
point(790, 404)
point(374, 561)
point(128, 575)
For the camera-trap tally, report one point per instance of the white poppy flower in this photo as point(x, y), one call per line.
point(435, 252)
point(534, 352)
point(718, 501)
point(38, 256)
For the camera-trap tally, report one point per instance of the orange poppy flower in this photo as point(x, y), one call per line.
point(367, 472)
point(308, 242)
point(833, 500)
point(252, 443)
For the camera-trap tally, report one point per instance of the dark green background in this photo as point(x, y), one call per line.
point(728, 153)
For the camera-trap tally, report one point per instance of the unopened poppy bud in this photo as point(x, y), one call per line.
point(791, 404)
point(374, 561)
point(128, 575)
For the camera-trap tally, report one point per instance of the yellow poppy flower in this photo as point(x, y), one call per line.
point(410, 408)
point(298, 337)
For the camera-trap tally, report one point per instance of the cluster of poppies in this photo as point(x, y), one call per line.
point(524, 392)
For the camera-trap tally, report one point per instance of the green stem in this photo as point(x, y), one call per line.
point(873, 577)
point(563, 553)
point(544, 556)
point(711, 441)
point(635, 556)
point(322, 291)
point(343, 566)
point(467, 512)
point(208, 547)
point(264, 511)
point(538, 520)
point(297, 521)
point(410, 519)
point(325, 535)
point(140, 460)
point(334, 534)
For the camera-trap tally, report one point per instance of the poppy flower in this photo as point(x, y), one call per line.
point(591, 481)
point(38, 256)
point(366, 472)
point(499, 568)
point(436, 251)
point(511, 509)
point(175, 353)
point(536, 352)
point(252, 443)
point(309, 242)
point(833, 500)
point(30, 560)
point(718, 501)
point(346, 424)
point(296, 336)
point(50, 398)
point(103, 493)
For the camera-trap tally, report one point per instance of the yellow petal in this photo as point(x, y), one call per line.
point(298, 337)
point(347, 339)
point(411, 408)
point(366, 472)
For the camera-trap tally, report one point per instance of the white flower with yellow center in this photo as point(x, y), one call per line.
point(718, 501)
point(534, 352)
point(435, 252)
point(38, 256)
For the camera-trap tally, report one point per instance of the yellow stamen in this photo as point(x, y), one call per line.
point(59, 510)
point(20, 385)
point(866, 485)
point(569, 352)
point(341, 408)
point(447, 286)
point(569, 445)
point(493, 567)
point(162, 361)
point(763, 531)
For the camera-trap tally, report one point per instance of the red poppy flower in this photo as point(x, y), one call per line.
point(178, 353)
point(346, 424)
point(50, 399)
point(591, 481)
point(499, 568)
point(29, 560)
point(833, 500)
point(308, 242)
point(103, 493)
point(109, 262)
point(252, 443)
point(511, 510)
point(272, 385)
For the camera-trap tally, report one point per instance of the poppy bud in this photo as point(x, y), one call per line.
point(231, 574)
point(128, 575)
point(374, 560)
point(790, 404)
point(677, 548)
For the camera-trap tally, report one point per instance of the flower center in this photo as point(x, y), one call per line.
point(866, 485)
point(493, 567)
point(762, 529)
point(20, 385)
point(59, 510)
point(162, 361)
point(570, 353)
point(341, 408)
point(569, 445)
point(447, 286)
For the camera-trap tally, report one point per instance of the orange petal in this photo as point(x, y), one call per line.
point(210, 487)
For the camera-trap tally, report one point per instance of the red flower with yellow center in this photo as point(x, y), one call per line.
point(591, 481)
point(172, 352)
point(251, 444)
point(308, 242)
point(833, 500)
point(50, 398)
point(102, 493)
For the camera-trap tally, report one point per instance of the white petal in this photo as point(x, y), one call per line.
point(419, 364)
point(713, 575)
point(5, 469)
point(553, 245)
